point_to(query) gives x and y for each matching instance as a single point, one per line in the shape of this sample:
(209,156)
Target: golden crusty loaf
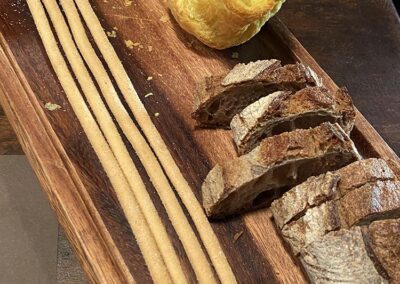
(223,23)
(278,162)
(219,98)
(329,186)
(286,111)
(340,257)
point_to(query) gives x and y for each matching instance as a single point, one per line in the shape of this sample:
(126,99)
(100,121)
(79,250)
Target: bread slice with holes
(285,111)
(372,201)
(382,240)
(340,257)
(219,98)
(279,162)
(329,186)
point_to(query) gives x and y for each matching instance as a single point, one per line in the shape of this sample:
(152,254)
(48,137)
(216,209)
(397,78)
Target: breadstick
(177,216)
(125,196)
(115,141)
(188,198)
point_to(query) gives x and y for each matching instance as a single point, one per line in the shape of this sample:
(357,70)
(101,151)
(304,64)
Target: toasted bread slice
(328,186)
(286,111)
(219,98)
(278,162)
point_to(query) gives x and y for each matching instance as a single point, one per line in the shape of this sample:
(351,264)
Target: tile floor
(32,248)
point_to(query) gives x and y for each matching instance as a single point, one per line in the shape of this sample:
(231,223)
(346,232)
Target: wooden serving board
(70,173)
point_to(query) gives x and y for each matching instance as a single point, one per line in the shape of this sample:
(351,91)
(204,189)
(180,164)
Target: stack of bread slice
(286,126)
(344,225)
(338,213)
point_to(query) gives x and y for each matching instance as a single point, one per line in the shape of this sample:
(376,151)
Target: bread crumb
(164,19)
(127,3)
(112,34)
(149,78)
(157,114)
(129,44)
(51,107)
(237,236)
(148,95)
(235,55)
(159,74)
(115,28)
(150,48)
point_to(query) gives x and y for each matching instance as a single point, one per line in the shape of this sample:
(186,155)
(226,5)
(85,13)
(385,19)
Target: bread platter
(164,68)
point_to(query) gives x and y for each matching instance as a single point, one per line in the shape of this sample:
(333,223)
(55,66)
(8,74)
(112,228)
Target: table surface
(356,42)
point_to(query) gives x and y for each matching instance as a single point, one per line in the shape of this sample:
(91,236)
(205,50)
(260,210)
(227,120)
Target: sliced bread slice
(374,201)
(383,241)
(340,257)
(328,186)
(219,98)
(285,111)
(279,162)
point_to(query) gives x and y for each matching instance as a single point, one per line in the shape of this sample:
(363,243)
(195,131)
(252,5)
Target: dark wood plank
(8,141)
(59,151)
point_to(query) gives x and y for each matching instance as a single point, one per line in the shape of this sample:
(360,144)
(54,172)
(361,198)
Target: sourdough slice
(277,163)
(328,186)
(380,200)
(383,241)
(340,257)
(316,222)
(219,98)
(286,111)
(367,203)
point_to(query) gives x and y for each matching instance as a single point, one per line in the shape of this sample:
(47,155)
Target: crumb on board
(164,19)
(235,55)
(150,48)
(113,33)
(237,236)
(129,44)
(115,28)
(51,106)
(127,3)
(149,78)
(157,114)
(159,74)
(148,95)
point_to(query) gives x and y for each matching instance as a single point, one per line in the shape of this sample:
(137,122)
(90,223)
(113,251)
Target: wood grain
(70,172)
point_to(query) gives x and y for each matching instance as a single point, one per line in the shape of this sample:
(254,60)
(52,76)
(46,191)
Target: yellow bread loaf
(223,23)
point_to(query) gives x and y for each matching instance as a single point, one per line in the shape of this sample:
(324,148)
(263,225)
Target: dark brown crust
(216,104)
(310,107)
(229,188)
(382,238)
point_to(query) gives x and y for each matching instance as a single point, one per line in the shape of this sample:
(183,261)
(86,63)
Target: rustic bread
(285,111)
(380,200)
(328,186)
(278,162)
(383,241)
(340,257)
(369,202)
(219,98)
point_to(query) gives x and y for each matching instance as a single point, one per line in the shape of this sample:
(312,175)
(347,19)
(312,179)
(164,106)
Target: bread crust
(279,161)
(286,111)
(328,186)
(383,238)
(219,98)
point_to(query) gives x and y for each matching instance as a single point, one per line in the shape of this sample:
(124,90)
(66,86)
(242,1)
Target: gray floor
(32,248)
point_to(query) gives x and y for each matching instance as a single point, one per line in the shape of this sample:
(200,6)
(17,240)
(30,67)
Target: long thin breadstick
(125,196)
(177,216)
(115,141)
(190,201)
